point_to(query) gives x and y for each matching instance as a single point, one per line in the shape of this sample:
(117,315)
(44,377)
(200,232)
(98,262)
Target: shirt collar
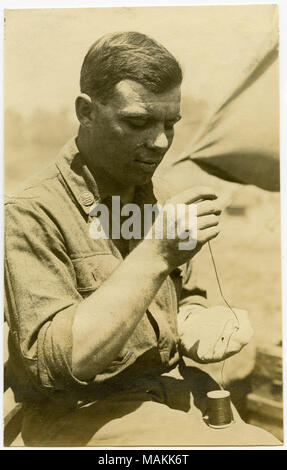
(82,183)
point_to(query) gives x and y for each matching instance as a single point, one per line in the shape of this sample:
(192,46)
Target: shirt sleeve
(41,295)
(193,293)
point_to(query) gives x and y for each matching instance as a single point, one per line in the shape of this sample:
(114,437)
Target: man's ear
(85,110)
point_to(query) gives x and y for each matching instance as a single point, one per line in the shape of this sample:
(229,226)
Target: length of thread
(231,309)
(168,189)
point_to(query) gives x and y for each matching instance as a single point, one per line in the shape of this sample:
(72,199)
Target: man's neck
(107,186)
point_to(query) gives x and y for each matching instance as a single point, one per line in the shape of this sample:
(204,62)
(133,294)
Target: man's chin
(139,180)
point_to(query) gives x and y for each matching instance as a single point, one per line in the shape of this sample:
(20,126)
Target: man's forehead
(132,97)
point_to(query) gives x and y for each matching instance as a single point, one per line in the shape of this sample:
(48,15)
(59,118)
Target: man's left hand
(212,334)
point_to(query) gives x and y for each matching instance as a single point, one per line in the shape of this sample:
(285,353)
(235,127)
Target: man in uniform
(99,327)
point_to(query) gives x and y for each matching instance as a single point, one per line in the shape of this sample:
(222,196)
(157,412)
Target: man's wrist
(147,255)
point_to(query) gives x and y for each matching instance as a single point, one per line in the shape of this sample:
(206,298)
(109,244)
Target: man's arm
(104,321)
(45,308)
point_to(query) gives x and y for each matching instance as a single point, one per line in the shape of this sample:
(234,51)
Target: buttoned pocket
(92,271)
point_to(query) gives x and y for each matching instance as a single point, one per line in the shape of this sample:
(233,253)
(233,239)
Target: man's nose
(159,142)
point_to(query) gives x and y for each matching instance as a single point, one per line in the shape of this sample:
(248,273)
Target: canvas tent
(239,142)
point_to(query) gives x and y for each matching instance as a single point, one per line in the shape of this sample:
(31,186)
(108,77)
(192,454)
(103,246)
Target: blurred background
(44,50)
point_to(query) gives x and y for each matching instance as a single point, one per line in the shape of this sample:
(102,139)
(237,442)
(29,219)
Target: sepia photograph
(142,231)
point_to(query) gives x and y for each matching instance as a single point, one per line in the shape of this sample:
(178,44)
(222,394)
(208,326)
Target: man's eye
(137,123)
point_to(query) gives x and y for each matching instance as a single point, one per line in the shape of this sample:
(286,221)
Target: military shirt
(51,264)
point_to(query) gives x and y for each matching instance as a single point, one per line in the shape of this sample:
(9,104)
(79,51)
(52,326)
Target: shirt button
(87,198)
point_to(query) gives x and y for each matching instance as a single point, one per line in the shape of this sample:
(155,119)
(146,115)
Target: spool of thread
(219,414)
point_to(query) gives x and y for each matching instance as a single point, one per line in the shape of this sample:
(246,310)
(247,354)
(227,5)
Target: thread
(221,384)
(230,308)
(219,414)
(219,285)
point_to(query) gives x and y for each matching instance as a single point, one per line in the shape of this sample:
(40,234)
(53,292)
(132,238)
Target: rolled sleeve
(41,295)
(55,352)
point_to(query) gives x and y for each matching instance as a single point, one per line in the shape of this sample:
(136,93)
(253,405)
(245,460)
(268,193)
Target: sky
(44,48)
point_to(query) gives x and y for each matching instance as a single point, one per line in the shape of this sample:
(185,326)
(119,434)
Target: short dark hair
(128,55)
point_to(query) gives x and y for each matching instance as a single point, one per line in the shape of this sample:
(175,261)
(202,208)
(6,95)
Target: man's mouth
(147,165)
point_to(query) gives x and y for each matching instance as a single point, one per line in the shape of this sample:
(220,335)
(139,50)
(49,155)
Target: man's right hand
(208,211)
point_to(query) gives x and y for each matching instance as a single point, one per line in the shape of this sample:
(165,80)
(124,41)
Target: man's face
(132,132)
